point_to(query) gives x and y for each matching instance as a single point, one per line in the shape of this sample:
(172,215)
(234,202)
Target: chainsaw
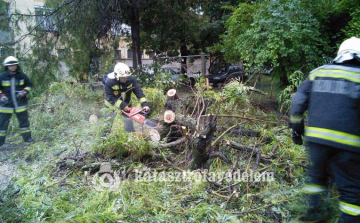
(137,114)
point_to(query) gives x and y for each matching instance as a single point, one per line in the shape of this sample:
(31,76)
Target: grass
(53,189)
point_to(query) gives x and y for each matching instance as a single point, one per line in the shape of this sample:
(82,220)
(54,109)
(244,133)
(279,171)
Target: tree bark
(135,34)
(201,146)
(184,52)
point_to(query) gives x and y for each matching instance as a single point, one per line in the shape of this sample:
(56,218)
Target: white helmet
(121,70)
(10,61)
(348,50)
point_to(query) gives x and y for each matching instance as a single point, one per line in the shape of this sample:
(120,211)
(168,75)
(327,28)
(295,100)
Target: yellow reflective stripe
(130,86)
(295,119)
(107,103)
(20,110)
(21,82)
(142,100)
(2,133)
(5,84)
(25,131)
(27,88)
(348,75)
(350,209)
(6,110)
(332,135)
(118,103)
(0,91)
(115,87)
(313,188)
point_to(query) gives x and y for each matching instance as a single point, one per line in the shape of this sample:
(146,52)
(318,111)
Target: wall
(24,7)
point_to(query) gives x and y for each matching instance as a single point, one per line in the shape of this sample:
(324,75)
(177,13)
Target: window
(117,54)
(43,19)
(130,53)
(5,16)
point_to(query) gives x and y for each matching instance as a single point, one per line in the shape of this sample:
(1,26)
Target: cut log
(169,116)
(93,118)
(154,135)
(148,133)
(171,103)
(175,143)
(171,94)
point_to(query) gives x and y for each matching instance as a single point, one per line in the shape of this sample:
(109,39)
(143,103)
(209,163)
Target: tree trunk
(201,146)
(135,34)
(184,52)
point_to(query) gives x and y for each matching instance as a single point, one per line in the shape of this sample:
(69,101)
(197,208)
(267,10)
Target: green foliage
(282,33)
(4,16)
(160,80)
(238,23)
(236,94)
(353,27)
(172,25)
(156,98)
(119,143)
(284,98)
(51,193)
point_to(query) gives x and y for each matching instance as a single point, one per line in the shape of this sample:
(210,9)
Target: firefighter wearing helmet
(14,88)
(331,97)
(119,85)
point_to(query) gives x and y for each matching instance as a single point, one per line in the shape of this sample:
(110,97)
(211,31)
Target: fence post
(203,69)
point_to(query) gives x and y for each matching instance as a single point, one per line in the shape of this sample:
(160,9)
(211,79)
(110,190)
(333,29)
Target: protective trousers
(23,118)
(345,169)
(128,122)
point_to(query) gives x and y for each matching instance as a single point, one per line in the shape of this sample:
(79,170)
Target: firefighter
(14,88)
(118,88)
(331,97)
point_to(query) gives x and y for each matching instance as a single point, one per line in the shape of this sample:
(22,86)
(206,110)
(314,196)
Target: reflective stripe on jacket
(331,95)
(11,85)
(119,94)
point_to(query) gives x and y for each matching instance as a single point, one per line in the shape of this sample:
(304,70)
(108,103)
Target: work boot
(318,210)
(314,216)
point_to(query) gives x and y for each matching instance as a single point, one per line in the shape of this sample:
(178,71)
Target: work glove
(146,110)
(21,94)
(3,98)
(297,138)
(297,132)
(127,109)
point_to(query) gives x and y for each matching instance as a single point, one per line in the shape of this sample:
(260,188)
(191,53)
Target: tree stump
(170,106)
(201,146)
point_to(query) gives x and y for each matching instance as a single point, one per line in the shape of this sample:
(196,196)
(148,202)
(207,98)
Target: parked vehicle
(175,72)
(226,73)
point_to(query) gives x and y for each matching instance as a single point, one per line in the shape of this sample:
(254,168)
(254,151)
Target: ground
(58,178)
(7,165)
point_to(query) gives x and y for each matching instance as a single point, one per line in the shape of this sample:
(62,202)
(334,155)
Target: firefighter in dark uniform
(14,86)
(331,97)
(118,88)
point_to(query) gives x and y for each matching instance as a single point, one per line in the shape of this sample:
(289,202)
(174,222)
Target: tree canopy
(289,35)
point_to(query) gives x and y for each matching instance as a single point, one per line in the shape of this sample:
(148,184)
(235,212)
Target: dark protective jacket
(119,94)
(331,95)
(11,85)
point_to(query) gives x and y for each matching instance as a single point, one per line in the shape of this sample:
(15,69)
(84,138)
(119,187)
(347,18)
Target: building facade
(20,35)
